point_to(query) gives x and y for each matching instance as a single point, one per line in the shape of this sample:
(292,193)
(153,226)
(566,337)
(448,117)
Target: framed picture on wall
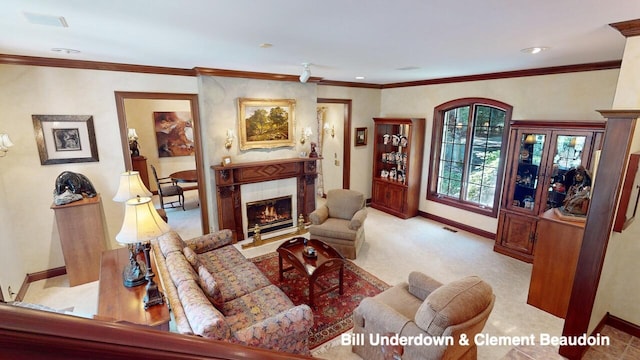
(65,139)
(266,123)
(174,133)
(361,136)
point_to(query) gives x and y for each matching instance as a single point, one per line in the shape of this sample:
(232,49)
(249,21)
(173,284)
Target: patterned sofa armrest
(287,331)
(211,241)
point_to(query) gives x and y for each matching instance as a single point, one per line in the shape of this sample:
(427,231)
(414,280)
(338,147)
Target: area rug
(332,313)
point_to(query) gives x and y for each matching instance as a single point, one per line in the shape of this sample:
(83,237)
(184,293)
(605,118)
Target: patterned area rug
(332,315)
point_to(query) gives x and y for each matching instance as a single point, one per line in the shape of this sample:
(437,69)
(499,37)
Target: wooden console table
(122,304)
(230,177)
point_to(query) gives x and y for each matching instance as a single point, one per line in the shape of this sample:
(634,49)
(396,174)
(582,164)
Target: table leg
(280,267)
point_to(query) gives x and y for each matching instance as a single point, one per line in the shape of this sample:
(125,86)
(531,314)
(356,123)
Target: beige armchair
(423,307)
(340,222)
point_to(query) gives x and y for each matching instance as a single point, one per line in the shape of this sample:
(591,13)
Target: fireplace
(269,214)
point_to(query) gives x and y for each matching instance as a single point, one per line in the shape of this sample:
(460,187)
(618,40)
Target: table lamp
(142,224)
(131,186)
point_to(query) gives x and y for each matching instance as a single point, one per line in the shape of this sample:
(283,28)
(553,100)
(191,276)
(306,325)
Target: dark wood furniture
(540,155)
(82,237)
(554,266)
(397,165)
(229,178)
(139,164)
(185,176)
(121,304)
(327,260)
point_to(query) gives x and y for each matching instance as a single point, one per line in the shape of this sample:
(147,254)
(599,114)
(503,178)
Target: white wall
(619,290)
(573,96)
(30,240)
(333,150)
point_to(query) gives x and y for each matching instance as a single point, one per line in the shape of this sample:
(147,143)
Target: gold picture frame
(266,123)
(226,160)
(64,139)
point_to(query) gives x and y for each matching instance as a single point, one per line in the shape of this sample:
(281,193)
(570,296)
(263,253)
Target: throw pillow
(210,287)
(192,257)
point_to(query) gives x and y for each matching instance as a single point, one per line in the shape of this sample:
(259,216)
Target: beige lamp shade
(131,186)
(132,134)
(141,222)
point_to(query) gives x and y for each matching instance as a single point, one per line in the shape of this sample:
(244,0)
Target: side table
(122,304)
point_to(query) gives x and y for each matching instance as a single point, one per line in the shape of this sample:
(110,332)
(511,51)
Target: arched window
(468,151)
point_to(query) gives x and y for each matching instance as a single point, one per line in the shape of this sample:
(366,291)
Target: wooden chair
(168,188)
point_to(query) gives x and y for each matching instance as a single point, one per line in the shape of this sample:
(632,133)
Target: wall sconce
(330,130)
(5,144)
(306,133)
(229,141)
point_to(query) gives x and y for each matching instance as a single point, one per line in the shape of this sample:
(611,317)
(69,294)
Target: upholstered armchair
(340,222)
(423,307)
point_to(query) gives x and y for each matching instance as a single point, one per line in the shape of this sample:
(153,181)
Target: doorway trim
(346,141)
(121,96)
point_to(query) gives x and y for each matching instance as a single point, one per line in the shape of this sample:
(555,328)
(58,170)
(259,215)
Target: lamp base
(134,273)
(153,295)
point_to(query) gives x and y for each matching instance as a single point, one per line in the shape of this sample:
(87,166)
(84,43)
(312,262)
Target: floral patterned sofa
(216,293)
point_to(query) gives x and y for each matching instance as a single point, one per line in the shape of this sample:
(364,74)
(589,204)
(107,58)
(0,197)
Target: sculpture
(69,185)
(578,184)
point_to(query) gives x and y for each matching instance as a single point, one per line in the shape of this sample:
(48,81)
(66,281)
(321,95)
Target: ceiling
(383,41)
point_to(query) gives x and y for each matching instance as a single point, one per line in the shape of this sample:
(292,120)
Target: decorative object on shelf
(266,123)
(577,199)
(142,224)
(305,135)
(301,226)
(133,142)
(131,186)
(385,139)
(5,144)
(65,139)
(630,196)
(361,136)
(330,130)
(72,187)
(226,160)
(306,73)
(229,140)
(174,133)
(314,152)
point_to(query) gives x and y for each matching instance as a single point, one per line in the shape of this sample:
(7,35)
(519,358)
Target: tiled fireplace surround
(238,184)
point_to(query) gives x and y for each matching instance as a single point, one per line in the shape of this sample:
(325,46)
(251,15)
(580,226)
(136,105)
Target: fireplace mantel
(230,177)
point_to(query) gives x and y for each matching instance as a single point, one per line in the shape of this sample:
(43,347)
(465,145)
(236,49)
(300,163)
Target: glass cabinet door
(569,152)
(529,170)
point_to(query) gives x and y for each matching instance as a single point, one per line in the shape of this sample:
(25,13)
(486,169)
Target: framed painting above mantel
(266,123)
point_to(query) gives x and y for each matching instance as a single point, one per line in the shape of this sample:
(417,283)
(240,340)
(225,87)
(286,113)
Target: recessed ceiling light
(48,20)
(360,78)
(266,45)
(535,49)
(65,50)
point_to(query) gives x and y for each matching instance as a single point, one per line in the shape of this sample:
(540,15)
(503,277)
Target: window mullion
(467,154)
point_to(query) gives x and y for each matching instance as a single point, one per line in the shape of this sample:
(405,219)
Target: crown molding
(201,71)
(628,28)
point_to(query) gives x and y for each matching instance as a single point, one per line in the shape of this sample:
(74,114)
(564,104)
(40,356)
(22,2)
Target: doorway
(337,121)
(142,110)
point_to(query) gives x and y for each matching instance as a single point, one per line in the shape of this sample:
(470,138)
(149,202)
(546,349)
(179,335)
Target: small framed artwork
(266,123)
(630,196)
(361,136)
(65,139)
(226,160)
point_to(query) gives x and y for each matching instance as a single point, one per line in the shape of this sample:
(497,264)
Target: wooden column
(606,190)
(82,237)
(229,179)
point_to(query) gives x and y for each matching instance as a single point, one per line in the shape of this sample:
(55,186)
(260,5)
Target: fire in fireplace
(270,214)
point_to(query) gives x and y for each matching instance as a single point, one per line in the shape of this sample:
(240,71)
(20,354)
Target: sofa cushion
(343,203)
(336,229)
(210,287)
(204,319)
(211,241)
(224,258)
(453,303)
(179,268)
(170,242)
(255,307)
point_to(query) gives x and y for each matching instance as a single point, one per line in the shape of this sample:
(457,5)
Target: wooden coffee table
(327,260)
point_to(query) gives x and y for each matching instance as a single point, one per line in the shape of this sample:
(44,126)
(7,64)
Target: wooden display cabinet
(397,161)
